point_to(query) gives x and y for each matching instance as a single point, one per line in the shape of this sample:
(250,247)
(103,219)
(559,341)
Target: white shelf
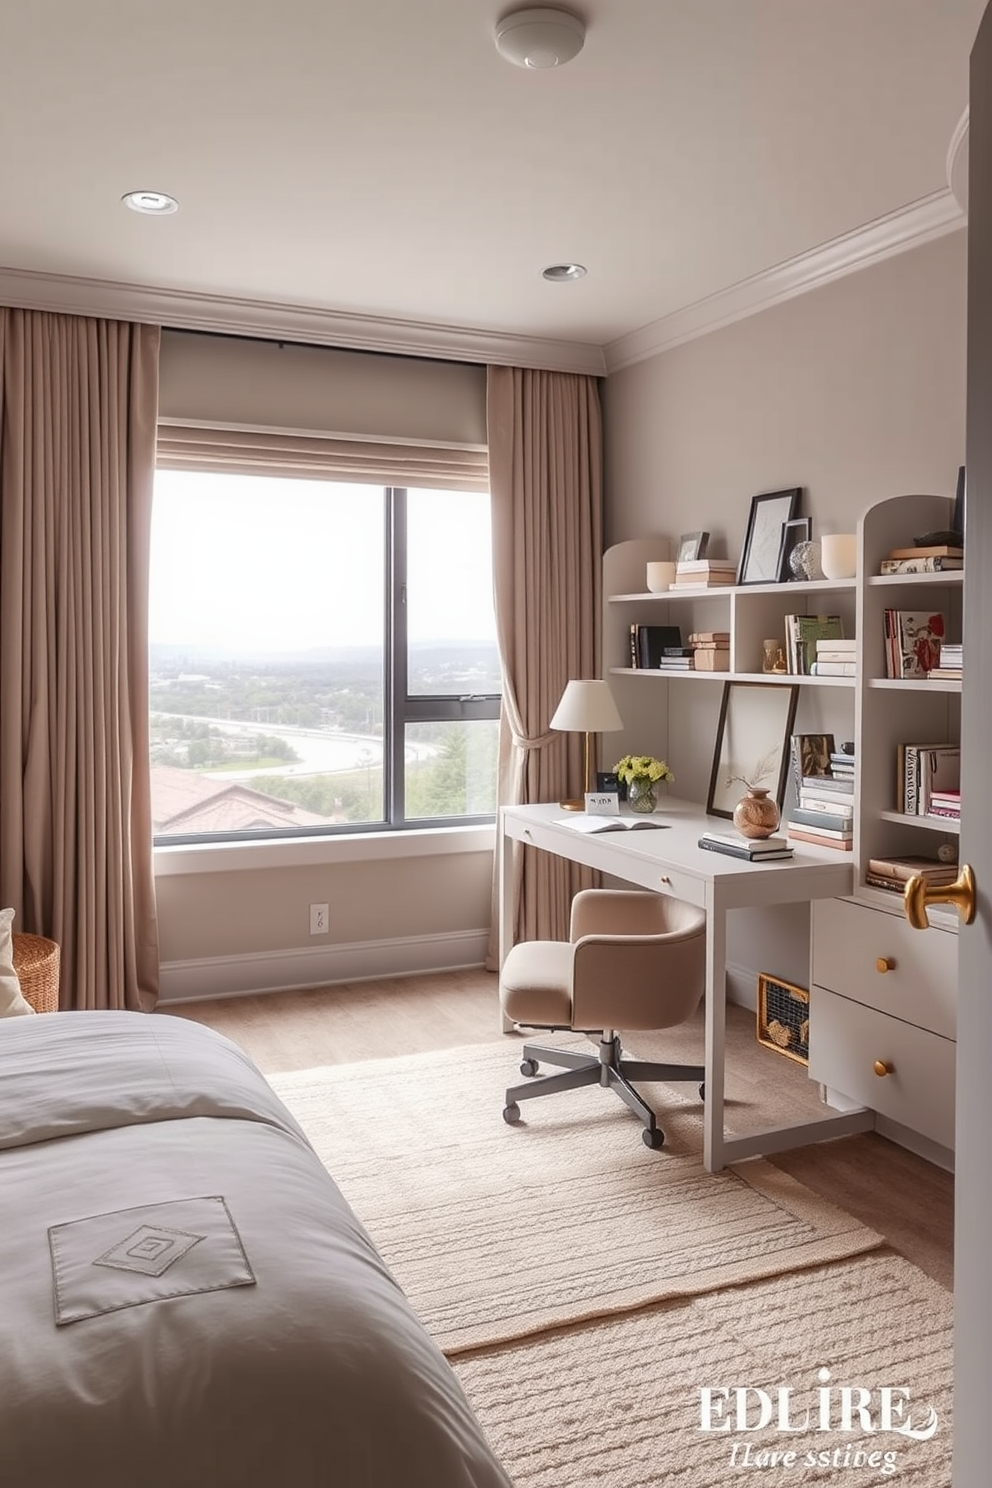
(915,684)
(920,580)
(945,824)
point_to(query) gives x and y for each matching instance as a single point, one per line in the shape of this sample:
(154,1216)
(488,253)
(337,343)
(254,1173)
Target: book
(839,806)
(706,565)
(833,669)
(912,641)
(801,635)
(702,637)
(937,550)
(902,868)
(836,643)
(822,839)
(586,822)
(822,820)
(650,642)
(748,849)
(842,785)
(919,767)
(946,674)
(920,565)
(677,651)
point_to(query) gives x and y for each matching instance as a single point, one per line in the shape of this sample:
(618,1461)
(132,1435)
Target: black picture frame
(692,545)
(961,491)
(752,740)
(799,529)
(761,552)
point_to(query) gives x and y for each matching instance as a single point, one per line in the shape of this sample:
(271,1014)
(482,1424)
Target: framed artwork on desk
(752,743)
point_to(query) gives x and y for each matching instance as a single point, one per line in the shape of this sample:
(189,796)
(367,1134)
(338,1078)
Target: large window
(323,657)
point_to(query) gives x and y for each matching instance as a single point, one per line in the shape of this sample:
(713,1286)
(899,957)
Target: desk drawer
(848,940)
(845,1039)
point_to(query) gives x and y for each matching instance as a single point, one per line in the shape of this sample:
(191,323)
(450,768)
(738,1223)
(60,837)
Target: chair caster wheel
(652,1137)
(529,1067)
(702,1091)
(511,1113)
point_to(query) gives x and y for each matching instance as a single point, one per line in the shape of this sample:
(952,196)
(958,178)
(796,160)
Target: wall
(855,391)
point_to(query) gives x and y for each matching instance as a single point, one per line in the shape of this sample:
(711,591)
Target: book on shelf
(706,565)
(946,674)
(920,565)
(749,849)
(675,664)
(822,668)
(840,806)
(900,869)
(912,642)
(829,821)
(709,637)
(951,653)
(821,839)
(676,651)
(921,769)
(841,785)
(704,581)
(843,644)
(936,550)
(582,822)
(648,642)
(801,635)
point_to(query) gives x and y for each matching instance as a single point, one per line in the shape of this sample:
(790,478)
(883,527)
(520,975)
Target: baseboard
(319,966)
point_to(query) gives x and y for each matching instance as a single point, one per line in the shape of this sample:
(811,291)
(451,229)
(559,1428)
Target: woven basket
(36,961)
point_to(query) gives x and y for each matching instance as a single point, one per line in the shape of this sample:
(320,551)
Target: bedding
(185,1296)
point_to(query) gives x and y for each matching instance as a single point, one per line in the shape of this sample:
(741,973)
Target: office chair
(634,960)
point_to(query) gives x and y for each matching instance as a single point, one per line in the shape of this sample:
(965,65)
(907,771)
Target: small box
(783,1018)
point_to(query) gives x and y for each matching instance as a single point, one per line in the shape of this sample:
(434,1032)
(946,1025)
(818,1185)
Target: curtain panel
(546,485)
(78,404)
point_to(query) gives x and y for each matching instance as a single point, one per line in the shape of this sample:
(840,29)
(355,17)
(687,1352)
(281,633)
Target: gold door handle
(918,895)
(884,964)
(883,1067)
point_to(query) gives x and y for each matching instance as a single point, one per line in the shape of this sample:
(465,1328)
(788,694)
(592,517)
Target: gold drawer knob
(884,964)
(883,1067)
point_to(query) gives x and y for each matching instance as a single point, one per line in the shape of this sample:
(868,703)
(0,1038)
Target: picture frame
(752,743)
(761,554)
(692,545)
(810,754)
(960,494)
(799,529)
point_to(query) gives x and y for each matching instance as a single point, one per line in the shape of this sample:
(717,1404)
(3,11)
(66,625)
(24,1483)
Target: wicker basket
(36,961)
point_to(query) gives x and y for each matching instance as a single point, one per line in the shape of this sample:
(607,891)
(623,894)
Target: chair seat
(536,983)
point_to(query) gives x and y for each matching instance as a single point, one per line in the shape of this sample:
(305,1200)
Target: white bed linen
(307,1371)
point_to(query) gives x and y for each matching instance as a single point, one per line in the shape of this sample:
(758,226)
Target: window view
(323,656)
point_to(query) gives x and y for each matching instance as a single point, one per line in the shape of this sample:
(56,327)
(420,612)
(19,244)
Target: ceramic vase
(756,814)
(642,796)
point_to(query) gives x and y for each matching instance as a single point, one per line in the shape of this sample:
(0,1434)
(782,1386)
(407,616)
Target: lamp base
(572,805)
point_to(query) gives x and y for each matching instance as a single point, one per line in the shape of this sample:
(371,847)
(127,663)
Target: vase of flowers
(641,774)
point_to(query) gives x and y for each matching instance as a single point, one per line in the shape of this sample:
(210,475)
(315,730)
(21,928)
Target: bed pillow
(12,1002)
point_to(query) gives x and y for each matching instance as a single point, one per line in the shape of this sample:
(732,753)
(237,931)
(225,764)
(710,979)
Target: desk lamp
(586,707)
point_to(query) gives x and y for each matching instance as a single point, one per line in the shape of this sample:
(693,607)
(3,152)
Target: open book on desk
(586,822)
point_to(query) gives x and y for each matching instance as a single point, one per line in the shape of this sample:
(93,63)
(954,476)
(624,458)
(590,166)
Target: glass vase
(642,796)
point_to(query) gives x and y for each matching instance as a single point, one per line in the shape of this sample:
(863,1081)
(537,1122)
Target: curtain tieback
(541,741)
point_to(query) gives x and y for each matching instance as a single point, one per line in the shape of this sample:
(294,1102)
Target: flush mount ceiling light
(563,273)
(538,38)
(152,203)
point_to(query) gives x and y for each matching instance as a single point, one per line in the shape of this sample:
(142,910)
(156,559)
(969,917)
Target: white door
(973,1215)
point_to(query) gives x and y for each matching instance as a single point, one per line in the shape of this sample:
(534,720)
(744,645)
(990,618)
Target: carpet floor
(498,1233)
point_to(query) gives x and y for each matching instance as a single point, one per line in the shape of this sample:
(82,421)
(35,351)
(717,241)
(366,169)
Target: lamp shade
(587,707)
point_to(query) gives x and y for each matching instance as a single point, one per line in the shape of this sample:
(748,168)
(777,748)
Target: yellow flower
(641,767)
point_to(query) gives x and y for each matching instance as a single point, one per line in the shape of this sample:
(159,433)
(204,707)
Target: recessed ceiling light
(539,37)
(564,273)
(152,203)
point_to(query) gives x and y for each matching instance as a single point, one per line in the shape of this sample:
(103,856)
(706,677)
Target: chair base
(608,1068)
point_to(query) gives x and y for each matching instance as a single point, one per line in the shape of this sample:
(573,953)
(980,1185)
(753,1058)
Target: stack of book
(748,849)
(921,770)
(711,650)
(824,812)
(705,573)
(913,640)
(950,665)
(648,644)
(834,658)
(937,559)
(802,632)
(945,803)
(676,659)
(894,873)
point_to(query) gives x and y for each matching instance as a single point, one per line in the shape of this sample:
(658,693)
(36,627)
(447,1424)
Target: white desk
(670,862)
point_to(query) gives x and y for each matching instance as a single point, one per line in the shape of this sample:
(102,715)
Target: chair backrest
(639,962)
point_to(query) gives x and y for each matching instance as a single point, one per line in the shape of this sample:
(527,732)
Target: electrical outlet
(319,919)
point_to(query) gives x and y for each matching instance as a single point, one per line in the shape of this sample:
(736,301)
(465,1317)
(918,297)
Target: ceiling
(374,173)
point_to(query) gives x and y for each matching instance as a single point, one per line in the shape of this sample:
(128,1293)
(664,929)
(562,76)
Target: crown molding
(227,315)
(909,227)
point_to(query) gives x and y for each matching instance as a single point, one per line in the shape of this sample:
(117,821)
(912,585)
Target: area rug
(499,1232)
(617,1404)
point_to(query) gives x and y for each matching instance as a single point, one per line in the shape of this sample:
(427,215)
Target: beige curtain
(545,473)
(78,404)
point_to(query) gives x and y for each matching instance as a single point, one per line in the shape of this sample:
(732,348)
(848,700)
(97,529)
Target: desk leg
(505,909)
(716,1026)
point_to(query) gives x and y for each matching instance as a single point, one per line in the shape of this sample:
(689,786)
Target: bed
(185,1297)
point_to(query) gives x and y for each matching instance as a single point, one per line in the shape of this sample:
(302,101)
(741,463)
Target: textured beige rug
(616,1404)
(497,1233)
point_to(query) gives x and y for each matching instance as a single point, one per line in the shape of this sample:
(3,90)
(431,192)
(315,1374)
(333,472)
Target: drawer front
(845,1039)
(920,979)
(635,862)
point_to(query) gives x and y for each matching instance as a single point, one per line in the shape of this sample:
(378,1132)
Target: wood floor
(904,1198)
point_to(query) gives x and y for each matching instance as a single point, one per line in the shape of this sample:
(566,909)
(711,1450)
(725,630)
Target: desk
(670,862)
